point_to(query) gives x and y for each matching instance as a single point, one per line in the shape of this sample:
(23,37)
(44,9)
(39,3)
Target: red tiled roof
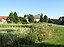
(3,17)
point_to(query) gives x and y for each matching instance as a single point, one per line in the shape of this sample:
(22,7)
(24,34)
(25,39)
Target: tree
(41,17)
(50,21)
(13,17)
(45,18)
(25,15)
(22,20)
(16,18)
(10,17)
(31,18)
(62,22)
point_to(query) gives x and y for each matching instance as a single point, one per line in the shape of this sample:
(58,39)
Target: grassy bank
(56,41)
(34,35)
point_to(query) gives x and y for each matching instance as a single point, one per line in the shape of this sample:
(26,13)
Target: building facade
(3,19)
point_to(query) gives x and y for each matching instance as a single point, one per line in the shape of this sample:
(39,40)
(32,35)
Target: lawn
(58,37)
(19,32)
(56,41)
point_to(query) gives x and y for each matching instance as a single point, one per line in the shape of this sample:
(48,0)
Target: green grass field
(57,39)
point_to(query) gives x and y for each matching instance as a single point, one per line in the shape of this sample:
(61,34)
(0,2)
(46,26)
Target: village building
(37,18)
(3,19)
(61,18)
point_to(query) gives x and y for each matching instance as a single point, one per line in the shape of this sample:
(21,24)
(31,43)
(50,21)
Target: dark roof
(36,17)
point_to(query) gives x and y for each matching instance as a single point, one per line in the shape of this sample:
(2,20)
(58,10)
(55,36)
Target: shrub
(36,33)
(39,33)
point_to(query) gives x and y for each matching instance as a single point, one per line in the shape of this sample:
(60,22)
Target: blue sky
(52,8)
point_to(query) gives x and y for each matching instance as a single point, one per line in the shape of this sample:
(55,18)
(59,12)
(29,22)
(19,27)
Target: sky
(51,8)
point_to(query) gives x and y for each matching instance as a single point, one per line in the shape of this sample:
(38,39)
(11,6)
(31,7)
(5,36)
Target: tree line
(14,18)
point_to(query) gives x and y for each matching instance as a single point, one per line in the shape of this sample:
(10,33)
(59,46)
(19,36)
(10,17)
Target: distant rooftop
(3,17)
(37,16)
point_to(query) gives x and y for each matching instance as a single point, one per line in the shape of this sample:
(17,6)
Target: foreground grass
(58,37)
(14,25)
(57,40)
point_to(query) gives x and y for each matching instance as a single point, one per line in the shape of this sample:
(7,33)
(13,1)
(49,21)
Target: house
(37,18)
(3,19)
(61,19)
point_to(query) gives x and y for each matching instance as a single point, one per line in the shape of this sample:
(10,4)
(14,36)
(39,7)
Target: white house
(37,18)
(3,19)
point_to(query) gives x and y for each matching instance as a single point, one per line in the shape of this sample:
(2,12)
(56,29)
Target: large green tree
(50,21)
(41,17)
(16,18)
(45,18)
(31,18)
(13,17)
(10,17)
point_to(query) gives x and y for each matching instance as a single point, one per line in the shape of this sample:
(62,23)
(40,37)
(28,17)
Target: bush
(36,33)
(62,22)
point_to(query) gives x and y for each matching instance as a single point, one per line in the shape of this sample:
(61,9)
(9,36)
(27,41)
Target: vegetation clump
(26,36)
(41,32)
